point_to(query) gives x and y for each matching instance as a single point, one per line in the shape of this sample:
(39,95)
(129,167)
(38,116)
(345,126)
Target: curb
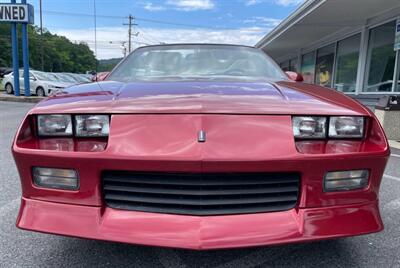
(394,144)
(12,98)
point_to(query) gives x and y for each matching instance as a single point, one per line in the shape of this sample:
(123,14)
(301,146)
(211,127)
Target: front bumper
(199,232)
(168,143)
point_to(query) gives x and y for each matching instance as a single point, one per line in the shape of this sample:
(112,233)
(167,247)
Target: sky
(162,21)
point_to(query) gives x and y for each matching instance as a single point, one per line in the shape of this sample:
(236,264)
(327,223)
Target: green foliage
(108,65)
(60,54)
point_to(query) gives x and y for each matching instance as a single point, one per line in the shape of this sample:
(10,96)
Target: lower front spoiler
(212,232)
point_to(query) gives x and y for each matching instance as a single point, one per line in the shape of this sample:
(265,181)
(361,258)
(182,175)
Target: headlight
(346,127)
(92,125)
(309,127)
(54,86)
(55,125)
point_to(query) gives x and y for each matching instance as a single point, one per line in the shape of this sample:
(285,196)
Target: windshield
(45,76)
(197,62)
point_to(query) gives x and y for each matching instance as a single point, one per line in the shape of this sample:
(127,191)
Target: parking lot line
(391,177)
(395,155)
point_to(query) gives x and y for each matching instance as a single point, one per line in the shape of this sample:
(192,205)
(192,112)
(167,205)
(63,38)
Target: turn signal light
(56,178)
(345,180)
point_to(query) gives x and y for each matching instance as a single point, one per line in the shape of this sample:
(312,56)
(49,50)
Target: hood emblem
(202,136)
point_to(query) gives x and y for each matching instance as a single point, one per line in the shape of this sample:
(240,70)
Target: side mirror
(32,78)
(297,77)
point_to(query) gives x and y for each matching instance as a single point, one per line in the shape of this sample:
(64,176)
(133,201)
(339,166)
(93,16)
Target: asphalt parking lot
(27,249)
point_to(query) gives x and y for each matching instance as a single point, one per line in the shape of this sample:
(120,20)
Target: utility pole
(130,24)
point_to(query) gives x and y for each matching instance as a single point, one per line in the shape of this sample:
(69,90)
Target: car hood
(262,97)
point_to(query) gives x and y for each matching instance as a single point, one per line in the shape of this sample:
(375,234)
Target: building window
(293,65)
(308,67)
(285,66)
(381,58)
(324,66)
(348,51)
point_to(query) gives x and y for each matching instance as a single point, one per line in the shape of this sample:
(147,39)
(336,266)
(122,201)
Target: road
(28,249)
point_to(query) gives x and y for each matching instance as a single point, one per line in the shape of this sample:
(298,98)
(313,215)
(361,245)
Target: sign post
(18,13)
(25,57)
(14,41)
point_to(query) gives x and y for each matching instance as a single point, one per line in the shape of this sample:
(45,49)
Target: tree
(60,54)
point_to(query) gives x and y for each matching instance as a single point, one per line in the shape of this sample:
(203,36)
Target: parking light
(345,180)
(56,178)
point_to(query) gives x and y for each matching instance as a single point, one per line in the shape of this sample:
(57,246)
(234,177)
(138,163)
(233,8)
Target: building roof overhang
(318,19)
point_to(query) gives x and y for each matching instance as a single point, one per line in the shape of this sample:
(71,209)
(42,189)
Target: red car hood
(201,97)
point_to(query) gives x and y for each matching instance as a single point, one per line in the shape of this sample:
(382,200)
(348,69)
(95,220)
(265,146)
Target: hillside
(60,54)
(108,65)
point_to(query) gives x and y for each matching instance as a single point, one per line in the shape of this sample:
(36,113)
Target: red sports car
(200,147)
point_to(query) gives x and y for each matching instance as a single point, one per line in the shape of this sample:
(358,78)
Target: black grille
(201,194)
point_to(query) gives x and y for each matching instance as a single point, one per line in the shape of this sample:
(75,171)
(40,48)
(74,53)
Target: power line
(85,41)
(147,34)
(149,20)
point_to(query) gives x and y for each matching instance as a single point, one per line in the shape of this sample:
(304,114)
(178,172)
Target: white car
(41,83)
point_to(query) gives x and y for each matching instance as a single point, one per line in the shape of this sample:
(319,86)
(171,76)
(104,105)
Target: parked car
(4,71)
(41,83)
(81,78)
(64,78)
(200,147)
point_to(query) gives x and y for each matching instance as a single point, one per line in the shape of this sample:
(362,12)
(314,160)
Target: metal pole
(130,33)
(41,35)
(14,40)
(25,56)
(95,34)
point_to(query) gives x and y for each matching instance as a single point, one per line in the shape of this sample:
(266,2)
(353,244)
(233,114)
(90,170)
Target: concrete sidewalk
(8,97)
(394,144)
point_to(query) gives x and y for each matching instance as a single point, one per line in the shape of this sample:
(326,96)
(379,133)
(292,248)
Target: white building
(344,44)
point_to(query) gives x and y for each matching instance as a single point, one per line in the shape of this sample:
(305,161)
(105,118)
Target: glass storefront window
(348,52)
(324,66)
(293,65)
(381,58)
(308,67)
